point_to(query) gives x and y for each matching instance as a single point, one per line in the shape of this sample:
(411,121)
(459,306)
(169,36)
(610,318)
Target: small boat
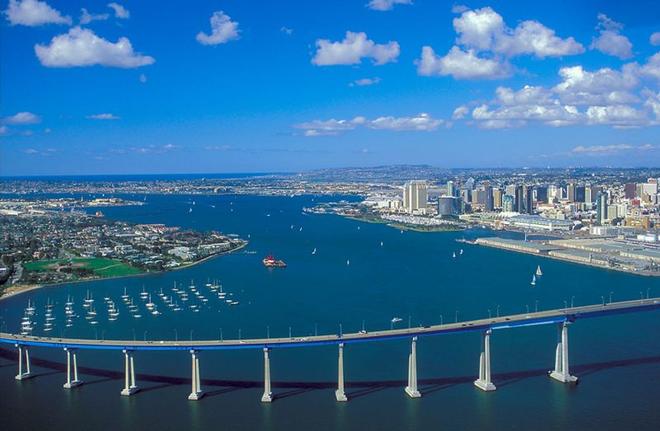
(314,251)
(189,210)
(381,243)
(461,252)
(300,230)
(137,316)
(538,271)
(348,262)
(533,283)
(453,255)
(396,319)
(270,262)
(144,294)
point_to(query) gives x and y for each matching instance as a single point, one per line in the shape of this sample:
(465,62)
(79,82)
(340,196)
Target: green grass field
(100,266)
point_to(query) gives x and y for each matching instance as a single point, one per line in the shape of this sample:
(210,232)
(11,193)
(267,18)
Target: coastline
(403,226)
(7,293)
(547,256)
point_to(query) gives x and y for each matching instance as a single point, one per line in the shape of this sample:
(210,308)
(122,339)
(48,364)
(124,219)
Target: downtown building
(415,196)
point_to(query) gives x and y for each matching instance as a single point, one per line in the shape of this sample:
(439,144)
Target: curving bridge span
(561,317)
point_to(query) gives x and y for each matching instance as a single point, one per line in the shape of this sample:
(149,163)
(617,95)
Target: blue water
(412,276)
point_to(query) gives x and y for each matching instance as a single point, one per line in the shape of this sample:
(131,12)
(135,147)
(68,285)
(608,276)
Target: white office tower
(415,195)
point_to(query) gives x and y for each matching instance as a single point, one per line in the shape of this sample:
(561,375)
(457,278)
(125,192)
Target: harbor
(606,253)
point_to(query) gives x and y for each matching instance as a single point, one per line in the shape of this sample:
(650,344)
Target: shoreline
(28,288)
(547,256)
(403,226)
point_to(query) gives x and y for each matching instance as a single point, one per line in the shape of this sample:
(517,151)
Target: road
(555,316)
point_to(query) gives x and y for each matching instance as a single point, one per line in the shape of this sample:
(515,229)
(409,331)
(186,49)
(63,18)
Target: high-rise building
(489,205)
(451,190)
(469,183)
(542,194)
(601,208)
(519,203)
(529,199)
(570,192)
(554,192)
(630,190)
(465,196)
(580,194)
(415,196)
(510,190)
(497,197)
(508,203)
(478,196)
(588,198)
(449,206)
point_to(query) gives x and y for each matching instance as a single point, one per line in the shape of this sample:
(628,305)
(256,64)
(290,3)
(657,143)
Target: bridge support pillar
(561,372)
(129,374)
(267,397)
(69,363)
(23,351)
(196,392)
(411,389)
(340,394)
(483,382)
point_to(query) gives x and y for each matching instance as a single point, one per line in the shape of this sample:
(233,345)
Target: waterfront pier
(562,317)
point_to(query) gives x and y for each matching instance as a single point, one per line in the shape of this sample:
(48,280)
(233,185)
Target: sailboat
(538,271)
(314,251)
(348,262)
(461,251)
(381,243)
(533,283)
(454,255)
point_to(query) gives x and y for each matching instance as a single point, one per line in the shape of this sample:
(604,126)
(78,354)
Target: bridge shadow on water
(355,389)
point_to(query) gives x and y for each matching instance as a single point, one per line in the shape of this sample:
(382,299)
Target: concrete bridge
(561,317)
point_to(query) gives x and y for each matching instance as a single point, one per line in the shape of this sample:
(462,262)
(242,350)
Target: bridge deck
(495,323)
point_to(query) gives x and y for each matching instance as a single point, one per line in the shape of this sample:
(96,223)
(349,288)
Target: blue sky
(252,86)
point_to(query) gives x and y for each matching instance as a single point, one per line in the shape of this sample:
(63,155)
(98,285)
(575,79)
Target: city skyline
(223,88)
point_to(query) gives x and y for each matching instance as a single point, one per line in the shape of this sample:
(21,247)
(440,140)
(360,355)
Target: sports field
(99,266)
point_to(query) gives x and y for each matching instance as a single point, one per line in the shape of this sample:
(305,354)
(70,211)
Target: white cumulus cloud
(223,29)
(582,97)
(610,41)
(82,47)
(34,13)
(654,39)
(353,49)
(420,122)
(485,30)
(484,45)
(22,118)
(461,65)
(384,5)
